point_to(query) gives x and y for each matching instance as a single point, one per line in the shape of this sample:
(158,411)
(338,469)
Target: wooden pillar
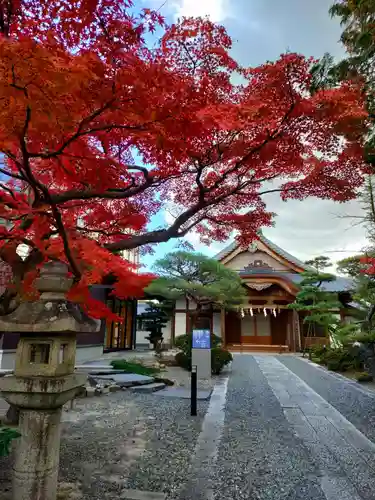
(222,326)
(296,336)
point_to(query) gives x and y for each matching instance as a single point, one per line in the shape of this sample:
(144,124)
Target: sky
(261,30)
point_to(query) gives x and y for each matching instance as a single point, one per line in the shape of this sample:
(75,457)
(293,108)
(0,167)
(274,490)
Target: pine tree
(154,319)
(319,305)
(202,280)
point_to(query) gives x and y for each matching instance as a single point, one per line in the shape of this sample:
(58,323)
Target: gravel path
(120,441)
(260,458)
(356,405)
(265,435)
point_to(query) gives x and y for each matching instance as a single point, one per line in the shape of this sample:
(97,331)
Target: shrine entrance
(265,322)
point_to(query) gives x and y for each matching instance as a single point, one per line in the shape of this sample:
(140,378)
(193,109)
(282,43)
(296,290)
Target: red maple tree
(84,92)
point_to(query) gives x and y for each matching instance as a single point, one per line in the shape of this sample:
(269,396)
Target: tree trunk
(199,321)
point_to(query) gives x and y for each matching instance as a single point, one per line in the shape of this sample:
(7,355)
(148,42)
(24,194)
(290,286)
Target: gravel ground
(259,457)
(354,404)
(122,441)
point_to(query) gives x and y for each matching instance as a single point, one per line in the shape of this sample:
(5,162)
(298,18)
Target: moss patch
(133,367)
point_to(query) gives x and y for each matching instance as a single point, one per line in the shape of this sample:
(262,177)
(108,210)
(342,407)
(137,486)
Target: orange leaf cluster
(84,95)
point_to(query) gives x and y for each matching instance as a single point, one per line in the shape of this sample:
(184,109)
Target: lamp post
(43,380)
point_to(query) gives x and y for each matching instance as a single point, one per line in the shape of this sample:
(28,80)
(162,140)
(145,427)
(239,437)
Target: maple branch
(201,188)
(159,235)
(10,191)
(103,128)
(35,183)
(278,190)
(270,137)
(15,86)
(15,176)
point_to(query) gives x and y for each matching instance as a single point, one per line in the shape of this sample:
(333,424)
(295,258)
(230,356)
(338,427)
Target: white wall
(180,324)
(140,336)
(181,304)
(216,323)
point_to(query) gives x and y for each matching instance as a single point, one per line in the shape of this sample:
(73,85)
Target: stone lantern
(43,380)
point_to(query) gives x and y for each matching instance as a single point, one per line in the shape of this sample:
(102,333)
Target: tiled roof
(340,284)
(290,258)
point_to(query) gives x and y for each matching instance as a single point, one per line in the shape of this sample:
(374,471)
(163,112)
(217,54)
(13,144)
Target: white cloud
(216,10)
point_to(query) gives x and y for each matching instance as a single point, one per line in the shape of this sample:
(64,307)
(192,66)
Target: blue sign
(201,339)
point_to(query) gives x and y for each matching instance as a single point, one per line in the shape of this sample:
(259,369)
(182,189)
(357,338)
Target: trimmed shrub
(345,358)
(219,359)
(183,360)
(318,351)
(334,366)
(185,342)
(364,377)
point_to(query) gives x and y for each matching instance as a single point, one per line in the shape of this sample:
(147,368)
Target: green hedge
(337,359)
(220,357)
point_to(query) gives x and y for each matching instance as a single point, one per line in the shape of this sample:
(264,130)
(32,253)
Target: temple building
(264,323)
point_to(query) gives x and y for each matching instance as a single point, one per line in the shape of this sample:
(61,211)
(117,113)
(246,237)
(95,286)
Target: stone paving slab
(128,379)
(172,392)
(260,457)
(142,495)
(343,454)
(148,388)
(92,368)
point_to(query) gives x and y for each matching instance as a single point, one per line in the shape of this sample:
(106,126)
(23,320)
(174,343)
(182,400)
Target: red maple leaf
(83,93)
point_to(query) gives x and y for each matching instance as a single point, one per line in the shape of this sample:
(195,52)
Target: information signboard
(201,339)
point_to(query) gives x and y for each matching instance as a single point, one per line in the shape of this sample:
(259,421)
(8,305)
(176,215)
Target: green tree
(319,305)
(154,319)
(357,18)
(363,283)
(319,263)
(199,278)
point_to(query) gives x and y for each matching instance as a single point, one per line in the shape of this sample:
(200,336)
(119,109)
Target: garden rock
(114,388)
(148,388)
(128,379)
(90,391)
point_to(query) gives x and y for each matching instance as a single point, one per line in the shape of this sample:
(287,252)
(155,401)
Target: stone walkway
(345,458)
(282,440)
(276,428)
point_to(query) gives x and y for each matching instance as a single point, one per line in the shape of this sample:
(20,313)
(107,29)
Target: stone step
(94,367)
(148,388)
(128,379)
(102,372)
(257,348)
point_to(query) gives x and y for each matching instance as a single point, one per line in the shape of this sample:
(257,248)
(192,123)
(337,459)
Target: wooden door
(279,327)
(119,333)
(256,329)
(232,328)
(263,329)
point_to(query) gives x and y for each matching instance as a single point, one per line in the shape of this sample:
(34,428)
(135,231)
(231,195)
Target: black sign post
(193,400)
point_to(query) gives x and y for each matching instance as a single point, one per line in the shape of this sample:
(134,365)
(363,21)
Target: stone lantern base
(43,380)
(40,401)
